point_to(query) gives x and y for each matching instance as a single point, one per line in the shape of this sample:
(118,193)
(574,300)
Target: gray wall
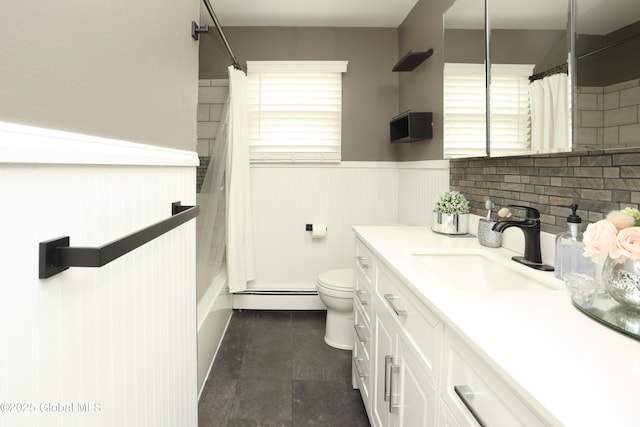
(421,89)
(614,65)
(370,89)
(119,68)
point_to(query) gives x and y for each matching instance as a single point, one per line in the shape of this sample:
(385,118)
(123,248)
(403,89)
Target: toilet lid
(337,279)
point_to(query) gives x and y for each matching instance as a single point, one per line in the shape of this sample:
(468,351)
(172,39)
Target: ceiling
(309,13)
(594,16)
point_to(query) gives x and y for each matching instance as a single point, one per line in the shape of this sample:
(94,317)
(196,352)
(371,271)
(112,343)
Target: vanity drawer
(365,262)
(362,331)
(476,396)
(420,327)
(362,295)
(361,370)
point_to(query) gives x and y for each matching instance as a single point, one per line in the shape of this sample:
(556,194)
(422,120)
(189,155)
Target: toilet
(335,289)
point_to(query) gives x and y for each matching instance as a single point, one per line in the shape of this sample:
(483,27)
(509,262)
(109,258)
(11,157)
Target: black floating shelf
(411,126)
(411,60)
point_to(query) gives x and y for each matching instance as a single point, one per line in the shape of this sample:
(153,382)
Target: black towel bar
(56,255)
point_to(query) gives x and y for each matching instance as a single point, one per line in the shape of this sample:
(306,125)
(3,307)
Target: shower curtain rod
(563,67)
(236,65)
(608,46)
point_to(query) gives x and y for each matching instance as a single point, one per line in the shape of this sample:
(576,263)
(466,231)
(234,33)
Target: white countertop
(571,369)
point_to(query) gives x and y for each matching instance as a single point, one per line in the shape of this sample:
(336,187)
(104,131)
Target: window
(464,109)
(510,109)
(464,99)
(295,110)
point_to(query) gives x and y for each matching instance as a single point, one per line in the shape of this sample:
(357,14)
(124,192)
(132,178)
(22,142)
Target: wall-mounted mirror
(607,74)
(529,90)
(464,81)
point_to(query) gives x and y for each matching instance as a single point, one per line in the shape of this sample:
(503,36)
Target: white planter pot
(450,223)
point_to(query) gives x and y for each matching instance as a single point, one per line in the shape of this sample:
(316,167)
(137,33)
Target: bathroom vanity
(450,333)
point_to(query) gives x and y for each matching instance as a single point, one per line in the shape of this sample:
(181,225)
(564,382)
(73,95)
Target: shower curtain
(240,252)
(211,223)
(225,221)
(550,118)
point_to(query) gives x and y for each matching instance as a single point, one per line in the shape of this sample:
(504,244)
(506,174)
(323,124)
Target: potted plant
(451,214)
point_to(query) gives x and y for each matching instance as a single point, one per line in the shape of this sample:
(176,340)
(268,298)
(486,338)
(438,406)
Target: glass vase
(621,277)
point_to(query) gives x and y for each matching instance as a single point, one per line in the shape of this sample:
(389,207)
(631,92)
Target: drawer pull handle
(388,360)
(465,394)
(395,370)
(362,261)
(358,328)
(390,298)
(359,294)
(355,362)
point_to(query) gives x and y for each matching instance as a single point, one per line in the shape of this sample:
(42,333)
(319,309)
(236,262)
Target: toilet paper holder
(308,227)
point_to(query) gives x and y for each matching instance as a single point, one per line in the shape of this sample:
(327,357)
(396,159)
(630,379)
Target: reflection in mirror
(608,74)
(529,90)
(464,83)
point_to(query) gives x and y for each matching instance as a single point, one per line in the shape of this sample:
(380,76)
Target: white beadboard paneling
(122,336)
(28,144)
(286,197)
(419,186)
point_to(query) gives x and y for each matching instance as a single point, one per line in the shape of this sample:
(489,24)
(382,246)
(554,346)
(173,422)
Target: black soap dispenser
(570,248)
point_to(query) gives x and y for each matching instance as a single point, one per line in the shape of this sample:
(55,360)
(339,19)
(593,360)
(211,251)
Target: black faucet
(530,226)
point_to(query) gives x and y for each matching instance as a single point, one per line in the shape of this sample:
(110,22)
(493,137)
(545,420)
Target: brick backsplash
(598,181)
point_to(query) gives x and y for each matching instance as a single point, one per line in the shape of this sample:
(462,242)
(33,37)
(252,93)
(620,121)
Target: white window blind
(510,109)
(464,129)
(295,110)
(465,106)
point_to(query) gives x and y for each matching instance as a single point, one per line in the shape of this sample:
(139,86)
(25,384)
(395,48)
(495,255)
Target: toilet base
(338,332)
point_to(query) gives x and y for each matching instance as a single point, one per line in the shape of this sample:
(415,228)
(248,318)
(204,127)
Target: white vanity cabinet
(364,274)
(401,353)
(412,370)
(473,395)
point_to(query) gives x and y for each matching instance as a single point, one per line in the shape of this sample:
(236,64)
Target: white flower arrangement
(452,202)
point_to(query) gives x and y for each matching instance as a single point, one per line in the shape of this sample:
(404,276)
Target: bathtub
(213,314)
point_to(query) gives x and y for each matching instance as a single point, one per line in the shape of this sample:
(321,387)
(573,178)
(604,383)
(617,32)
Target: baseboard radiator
(277,300)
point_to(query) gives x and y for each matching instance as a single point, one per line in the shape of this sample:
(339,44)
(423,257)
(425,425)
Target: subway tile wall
(609,117)
(212,94)
(598,181)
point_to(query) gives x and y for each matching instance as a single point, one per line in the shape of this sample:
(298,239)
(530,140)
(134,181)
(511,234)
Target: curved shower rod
(236,65)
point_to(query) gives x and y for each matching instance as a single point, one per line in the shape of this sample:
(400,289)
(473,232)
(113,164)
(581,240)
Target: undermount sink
(481,272)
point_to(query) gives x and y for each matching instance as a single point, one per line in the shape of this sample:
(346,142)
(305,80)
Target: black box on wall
(410,126)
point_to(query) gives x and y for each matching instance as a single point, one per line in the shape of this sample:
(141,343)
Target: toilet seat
(337,280)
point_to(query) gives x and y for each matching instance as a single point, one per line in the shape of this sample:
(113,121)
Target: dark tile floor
(274,369)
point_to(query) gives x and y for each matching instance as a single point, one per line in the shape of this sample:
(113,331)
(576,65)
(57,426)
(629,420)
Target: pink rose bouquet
(616,236)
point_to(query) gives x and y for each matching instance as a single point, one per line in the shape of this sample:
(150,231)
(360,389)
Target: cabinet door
(413,396)
(447,419)
(381,368)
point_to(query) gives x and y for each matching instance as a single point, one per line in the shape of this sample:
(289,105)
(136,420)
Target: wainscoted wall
(119,339)
(286,197)
(419,185)
(598,181)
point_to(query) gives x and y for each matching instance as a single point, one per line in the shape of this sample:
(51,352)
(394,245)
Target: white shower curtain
(550,118)
(240,255)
